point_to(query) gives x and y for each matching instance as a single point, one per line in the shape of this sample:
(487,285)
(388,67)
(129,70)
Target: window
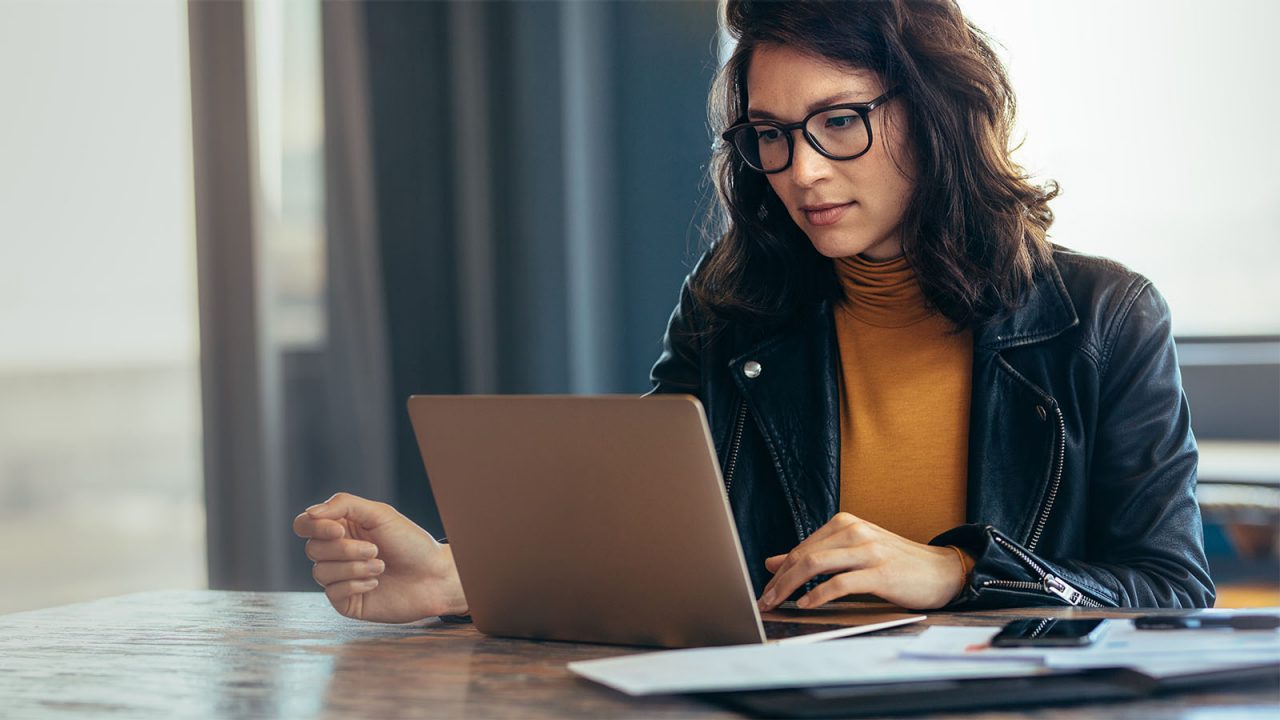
(100,489)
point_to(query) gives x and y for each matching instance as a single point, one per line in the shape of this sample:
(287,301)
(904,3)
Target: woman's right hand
(376,564)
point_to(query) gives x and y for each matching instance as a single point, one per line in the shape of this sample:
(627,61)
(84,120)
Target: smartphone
(1050,632)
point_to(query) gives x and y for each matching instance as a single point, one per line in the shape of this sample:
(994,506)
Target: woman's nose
(807,164)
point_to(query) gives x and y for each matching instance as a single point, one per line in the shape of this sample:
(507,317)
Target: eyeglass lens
(841,133)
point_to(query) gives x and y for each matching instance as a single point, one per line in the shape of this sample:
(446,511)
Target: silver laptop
(594,519)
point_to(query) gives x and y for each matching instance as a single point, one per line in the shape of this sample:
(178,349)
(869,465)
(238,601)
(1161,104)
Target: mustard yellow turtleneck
(904,402)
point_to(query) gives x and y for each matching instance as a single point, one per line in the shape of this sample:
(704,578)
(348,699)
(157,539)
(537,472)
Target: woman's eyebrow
(757,114)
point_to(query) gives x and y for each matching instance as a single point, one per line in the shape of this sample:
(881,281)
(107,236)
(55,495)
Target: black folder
(1057,688)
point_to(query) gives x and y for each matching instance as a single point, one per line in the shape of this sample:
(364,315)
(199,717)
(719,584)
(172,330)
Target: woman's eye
(841,121)
(769,135)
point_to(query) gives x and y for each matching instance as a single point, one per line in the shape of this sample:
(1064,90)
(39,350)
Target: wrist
(456,600)
(964,567)
(457,608)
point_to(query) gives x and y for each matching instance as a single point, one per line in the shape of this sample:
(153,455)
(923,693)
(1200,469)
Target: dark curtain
(538,174)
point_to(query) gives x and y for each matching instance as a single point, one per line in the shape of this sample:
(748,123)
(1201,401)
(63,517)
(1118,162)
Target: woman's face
(845,207)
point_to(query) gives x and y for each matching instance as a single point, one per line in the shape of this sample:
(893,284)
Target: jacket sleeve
(679,369)
(1149,548)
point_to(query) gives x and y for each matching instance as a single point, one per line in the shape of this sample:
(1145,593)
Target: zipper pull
(1059,587)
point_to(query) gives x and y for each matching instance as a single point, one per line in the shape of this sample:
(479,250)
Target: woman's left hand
(864,558)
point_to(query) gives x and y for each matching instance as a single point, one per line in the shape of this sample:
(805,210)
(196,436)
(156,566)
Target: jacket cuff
(1006,574)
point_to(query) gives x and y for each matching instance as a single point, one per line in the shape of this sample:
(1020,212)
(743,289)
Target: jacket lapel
(1012,428)
(793,398)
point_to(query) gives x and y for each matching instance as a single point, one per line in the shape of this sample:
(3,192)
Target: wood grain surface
(289,655)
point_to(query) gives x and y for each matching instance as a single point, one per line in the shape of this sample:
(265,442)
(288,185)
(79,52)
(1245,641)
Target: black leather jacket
(1082,464)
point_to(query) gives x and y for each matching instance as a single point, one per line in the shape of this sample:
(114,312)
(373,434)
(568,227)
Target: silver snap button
(752,369)
(1044,415)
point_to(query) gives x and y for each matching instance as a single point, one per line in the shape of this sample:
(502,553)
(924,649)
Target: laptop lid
(591,519)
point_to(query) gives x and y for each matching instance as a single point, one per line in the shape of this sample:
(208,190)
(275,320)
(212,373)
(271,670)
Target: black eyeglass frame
(863,110)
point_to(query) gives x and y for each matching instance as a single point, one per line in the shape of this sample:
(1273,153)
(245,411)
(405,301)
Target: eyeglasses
(840,132)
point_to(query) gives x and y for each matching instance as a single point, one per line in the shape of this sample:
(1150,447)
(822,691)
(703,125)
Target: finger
(849,583)
(307,526)
(303,525)
(840,522)
(326,550)
(328,573)
(792,573)
(368,514)
(339,593)
(842,530)
(810,564)
(780,565)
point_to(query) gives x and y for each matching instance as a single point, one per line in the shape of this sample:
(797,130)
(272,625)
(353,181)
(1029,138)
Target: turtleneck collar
(881,293)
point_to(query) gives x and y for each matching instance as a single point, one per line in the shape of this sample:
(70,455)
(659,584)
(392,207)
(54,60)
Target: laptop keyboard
(780,630)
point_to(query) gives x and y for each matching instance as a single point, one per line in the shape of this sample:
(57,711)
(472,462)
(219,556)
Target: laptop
(598,519)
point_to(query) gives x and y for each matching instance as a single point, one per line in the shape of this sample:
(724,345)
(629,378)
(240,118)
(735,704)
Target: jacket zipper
(1054,484)
(1055,481)
(735,445)
(1049,582)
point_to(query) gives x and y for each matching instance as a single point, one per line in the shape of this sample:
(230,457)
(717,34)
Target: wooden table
(248,655)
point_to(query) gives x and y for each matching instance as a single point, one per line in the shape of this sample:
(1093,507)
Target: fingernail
(377,566)
(767,599)
(371,583)
(316,508)
(803,602)
(369,551)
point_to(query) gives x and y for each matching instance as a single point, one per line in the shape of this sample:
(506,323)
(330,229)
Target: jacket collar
(1045,313)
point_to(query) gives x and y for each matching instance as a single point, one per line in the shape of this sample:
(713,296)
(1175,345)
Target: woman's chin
(833,244)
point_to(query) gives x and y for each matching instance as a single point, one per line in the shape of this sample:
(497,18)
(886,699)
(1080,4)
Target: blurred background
(236,235)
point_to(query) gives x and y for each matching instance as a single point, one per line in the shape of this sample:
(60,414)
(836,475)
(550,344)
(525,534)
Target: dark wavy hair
(974,227)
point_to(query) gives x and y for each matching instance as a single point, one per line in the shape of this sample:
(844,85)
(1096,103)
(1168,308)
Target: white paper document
(936,654)
(743,667)
(1157,652)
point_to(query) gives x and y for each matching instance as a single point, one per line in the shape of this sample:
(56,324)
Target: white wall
(96,230)
(1158,117)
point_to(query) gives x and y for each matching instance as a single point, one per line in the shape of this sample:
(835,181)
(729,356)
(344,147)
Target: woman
(913,393)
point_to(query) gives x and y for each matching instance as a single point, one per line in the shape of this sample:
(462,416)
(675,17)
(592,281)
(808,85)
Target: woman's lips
(827,216)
